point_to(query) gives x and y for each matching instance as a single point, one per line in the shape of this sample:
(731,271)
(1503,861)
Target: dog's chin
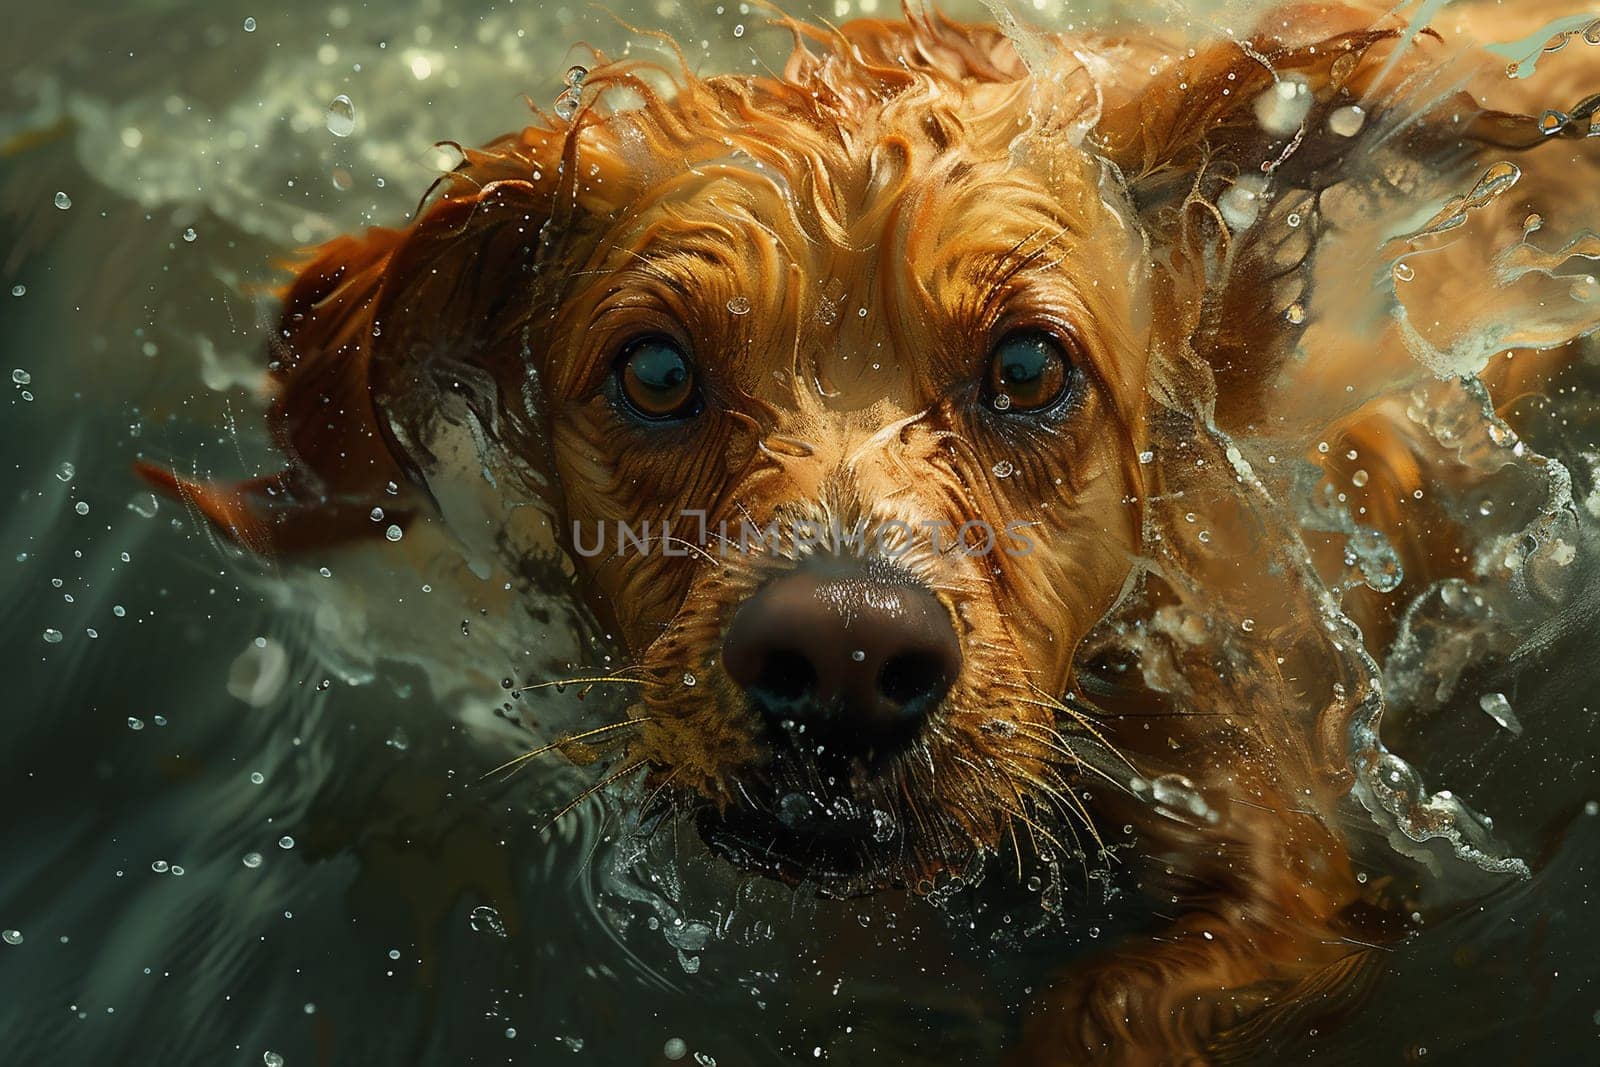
(841,857)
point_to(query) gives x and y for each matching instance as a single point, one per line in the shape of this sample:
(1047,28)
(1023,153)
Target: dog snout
(856,653)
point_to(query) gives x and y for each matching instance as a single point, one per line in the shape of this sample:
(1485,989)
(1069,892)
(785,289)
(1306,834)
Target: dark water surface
(351,892)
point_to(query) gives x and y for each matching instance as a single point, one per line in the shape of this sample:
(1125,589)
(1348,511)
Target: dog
(962,375)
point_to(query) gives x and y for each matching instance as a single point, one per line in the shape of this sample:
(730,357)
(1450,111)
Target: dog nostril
(786,676)
(913,679)
(856,655)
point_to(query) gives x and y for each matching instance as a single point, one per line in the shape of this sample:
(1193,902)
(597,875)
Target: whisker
(591,791)
(562,683)
(562,742)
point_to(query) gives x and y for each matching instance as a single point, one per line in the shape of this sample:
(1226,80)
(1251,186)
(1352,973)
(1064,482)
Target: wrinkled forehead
(881,269)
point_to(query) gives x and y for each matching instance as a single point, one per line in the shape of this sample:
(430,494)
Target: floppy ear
(1245,157)
(386,339)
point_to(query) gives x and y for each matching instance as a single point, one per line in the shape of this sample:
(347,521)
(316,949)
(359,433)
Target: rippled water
(229,838)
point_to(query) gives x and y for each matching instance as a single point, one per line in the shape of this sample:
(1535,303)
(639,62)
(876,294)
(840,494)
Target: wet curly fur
(838,245)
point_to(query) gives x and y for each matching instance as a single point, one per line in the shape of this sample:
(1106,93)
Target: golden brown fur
(900,193)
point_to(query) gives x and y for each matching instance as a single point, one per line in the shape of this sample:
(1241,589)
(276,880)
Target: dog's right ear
(386,338)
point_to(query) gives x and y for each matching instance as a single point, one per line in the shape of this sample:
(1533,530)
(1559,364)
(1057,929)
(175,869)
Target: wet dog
(925,422)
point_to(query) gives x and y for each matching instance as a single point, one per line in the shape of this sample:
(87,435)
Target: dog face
(942,375)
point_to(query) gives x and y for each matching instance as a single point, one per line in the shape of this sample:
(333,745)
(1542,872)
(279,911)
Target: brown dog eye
(657,380)
(1028,371)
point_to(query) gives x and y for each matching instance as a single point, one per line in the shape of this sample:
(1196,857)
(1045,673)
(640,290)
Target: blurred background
(218,843)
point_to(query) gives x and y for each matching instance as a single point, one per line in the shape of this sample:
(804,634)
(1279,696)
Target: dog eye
(1029,370)
(657,381)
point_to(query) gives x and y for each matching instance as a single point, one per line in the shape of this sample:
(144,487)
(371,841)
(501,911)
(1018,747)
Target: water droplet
(1296,314)
(189,235)
(341,116)
(575,75)
(1553,122)
(567,104)
(252,860)
(1347,121)
(739,305)
(485,920)
(63,201)
(1403,272)
(689,679)
(21,377)
(1498,708)
(1003,469)
(1002,402)
(52,636)
(1147,456)
(1358,479)
(1486,508)
(393,533)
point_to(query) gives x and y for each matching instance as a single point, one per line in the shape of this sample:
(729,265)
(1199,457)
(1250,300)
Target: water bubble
(739,305)
(1004,469)
(1359,479)
(252,860)
(11,937)
(1553,122)
(575,75)
(393,533)
(738,31)
(52,636)
(485,920)
(160,866)
(1498,708)
(189,235)
(1296,314)
(63,201)
(21,377)
(1147,456)
(1002,402)
(1347,121)
(689,679)
(257,778)
(341,116)
(675,1048)
(19,290)
(81,507)
(286,842)
(135,724)
(1486,508)
(271,1059)
(1403,272)
(250,27)
(65,472)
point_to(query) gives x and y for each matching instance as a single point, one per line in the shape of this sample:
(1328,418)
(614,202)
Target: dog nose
(859,654)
